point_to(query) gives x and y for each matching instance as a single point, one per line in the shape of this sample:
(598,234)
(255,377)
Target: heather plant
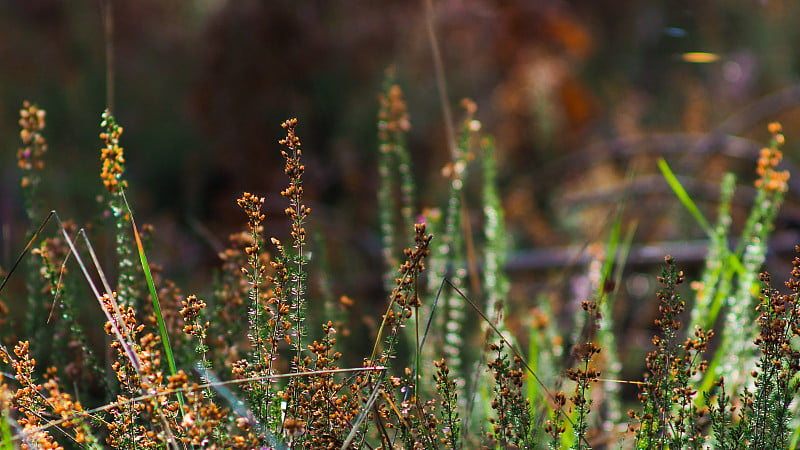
(740,321)
(238,367)
(729,282)
(585,375)
(30,159)
(669,417)
(778,365)
(396,188)
(512,424)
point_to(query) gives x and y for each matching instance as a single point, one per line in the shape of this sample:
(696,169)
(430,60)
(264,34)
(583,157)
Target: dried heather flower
(190,312)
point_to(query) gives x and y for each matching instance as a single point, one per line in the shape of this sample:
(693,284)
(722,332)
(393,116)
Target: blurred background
(582,97)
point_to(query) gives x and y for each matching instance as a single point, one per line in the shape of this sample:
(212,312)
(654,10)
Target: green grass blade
(732,265)
(156,305)
(533,391)
(154,295)
(736,263)
(421,342)
(683,196)
(611,253)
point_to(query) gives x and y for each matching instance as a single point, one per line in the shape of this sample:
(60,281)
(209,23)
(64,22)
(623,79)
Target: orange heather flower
(770,179)
(111,156)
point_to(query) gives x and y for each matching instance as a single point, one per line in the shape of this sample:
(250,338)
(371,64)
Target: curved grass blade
(683,196)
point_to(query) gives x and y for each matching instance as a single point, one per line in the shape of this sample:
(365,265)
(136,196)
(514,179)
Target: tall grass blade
(421,342)
(162,328)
